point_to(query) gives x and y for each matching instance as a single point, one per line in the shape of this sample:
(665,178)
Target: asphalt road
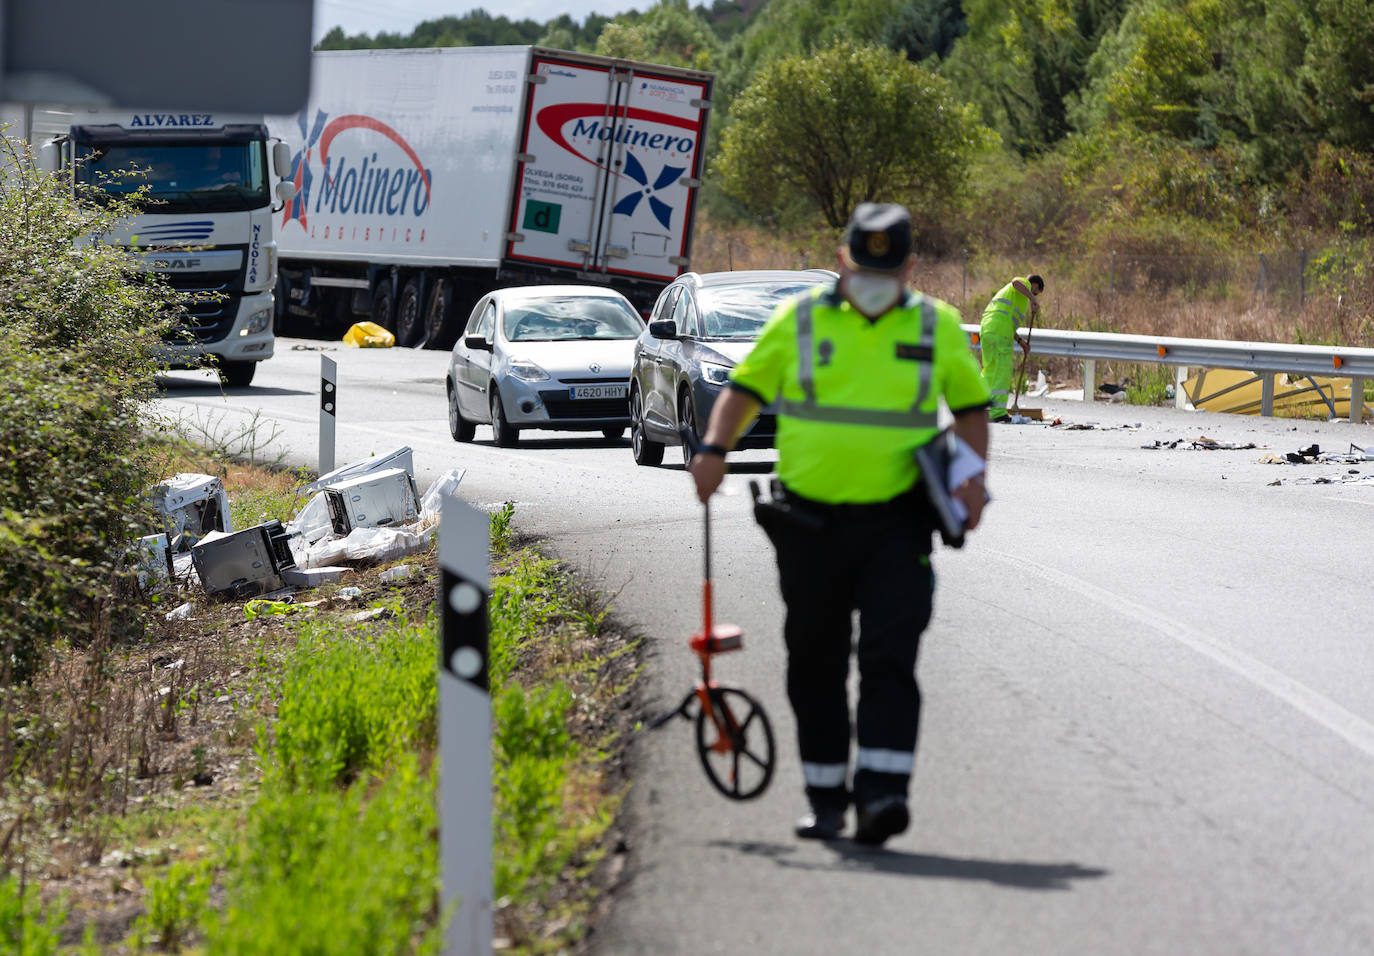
(1149,682)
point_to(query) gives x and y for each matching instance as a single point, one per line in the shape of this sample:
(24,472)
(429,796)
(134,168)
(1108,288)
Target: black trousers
(874,559)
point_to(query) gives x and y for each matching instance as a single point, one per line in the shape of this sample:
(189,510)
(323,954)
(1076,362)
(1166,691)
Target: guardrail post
(464,728)
(1089,379)
(1267,394)
(1357,400)
(329,399)
(1180,393)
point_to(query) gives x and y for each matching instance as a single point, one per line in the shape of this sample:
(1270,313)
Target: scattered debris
(155,569)
(397,574)
(181,612)
(372,614)
(261,606)
(383,499)
(310,577)
(368,335)
(401,457)
(350,592)
(191,505)
(1276,481)
(1091,426)
(1202,443)
(244,563)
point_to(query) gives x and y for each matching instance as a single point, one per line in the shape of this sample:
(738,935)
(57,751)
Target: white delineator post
(464,728)
(329,390)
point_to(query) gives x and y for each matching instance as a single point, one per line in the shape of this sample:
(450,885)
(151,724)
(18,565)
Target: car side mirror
(663,329)
(478,342)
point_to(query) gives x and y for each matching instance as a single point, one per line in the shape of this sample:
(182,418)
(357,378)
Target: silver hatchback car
(551,357)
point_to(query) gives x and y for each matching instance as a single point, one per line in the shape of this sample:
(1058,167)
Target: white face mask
(872,294)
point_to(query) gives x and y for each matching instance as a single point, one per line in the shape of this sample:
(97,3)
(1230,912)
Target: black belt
(907,502)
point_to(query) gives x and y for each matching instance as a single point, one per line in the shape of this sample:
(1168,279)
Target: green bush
(27,928)
(82,330)
(176,903)
(336,873)
(351,704)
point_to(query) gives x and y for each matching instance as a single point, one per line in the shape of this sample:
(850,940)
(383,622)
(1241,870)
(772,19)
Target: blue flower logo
(666,177)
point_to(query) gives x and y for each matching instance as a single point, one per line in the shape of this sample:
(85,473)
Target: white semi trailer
(208,227)
(426,178)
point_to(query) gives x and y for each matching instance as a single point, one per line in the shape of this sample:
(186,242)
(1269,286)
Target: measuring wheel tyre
(382,312)
(410,324)
(440,322)
(646,452)
(739,755)
(504,432)
(686,418)
(459,427)
(237,374)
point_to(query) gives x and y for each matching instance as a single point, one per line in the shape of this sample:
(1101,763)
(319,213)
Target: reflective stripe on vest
(808,410)
(1016,311)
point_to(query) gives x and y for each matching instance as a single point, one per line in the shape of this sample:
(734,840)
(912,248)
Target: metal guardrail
(1265,359)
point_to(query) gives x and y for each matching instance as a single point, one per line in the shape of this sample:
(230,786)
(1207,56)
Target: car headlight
(527,371)
(715,374)
(257,322)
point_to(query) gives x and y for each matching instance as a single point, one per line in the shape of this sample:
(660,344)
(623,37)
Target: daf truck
(427,178)
(207,223)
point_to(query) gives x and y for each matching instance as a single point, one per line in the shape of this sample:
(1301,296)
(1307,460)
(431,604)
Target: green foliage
(669,32)
(82,333)
(352,702)
(925,28)
(501,527)
(175,905)
(1024,61)
(477,28)
(1149,385)
(336,872)
(847,125)
(27,927)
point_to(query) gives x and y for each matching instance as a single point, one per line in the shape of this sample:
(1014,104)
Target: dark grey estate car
(701,325)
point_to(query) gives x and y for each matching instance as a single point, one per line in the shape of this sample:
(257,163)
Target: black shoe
(880,819)
(821,823)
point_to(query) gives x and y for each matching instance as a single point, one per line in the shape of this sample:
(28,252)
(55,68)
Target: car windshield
(738,312)
(571,317)
(180,177)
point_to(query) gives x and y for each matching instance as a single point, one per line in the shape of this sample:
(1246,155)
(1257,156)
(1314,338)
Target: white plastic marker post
(329,390)
(464,728)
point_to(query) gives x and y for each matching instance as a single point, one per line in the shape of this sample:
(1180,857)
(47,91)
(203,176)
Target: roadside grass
(266,784)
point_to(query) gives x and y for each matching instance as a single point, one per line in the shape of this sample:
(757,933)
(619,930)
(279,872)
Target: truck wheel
(459,427)
(382,312)
(237,374)
(439,318)
(504,432)
(410,326)
(646,452)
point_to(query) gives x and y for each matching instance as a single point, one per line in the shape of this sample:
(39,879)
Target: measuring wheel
(735,743)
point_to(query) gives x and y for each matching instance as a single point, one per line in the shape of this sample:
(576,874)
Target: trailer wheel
(382,312)
(410,326)
(440,332)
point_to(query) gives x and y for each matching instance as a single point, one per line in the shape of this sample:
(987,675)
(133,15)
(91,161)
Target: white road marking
(1335,718)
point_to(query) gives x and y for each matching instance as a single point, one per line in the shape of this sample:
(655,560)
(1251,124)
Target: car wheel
(503,431)
(440,322)
(611,434)
(410,325)
(646,452)
(237,374)
(382,312)
(459,427)
(687,418)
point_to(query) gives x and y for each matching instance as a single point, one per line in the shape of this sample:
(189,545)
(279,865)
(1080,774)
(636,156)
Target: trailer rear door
(609,166)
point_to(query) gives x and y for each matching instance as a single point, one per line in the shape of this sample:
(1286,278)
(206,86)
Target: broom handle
(1025,357)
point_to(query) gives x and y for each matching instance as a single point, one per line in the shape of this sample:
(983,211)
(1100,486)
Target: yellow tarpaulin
(369,335)
(1241,393)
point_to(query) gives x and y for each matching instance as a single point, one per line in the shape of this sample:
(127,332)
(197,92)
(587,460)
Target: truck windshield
(180,177)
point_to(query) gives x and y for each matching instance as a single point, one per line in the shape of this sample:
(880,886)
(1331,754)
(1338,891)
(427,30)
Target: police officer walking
(858,370)
(1012,304)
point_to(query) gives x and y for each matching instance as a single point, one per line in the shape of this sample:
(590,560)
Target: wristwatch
(711,448)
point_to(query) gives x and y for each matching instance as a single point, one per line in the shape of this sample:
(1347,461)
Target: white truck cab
(208,223)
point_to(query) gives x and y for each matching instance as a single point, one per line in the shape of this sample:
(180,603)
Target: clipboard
(947,462)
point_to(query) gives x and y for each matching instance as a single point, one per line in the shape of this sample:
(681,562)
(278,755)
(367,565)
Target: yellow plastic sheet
(1242,393)
(369,335)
